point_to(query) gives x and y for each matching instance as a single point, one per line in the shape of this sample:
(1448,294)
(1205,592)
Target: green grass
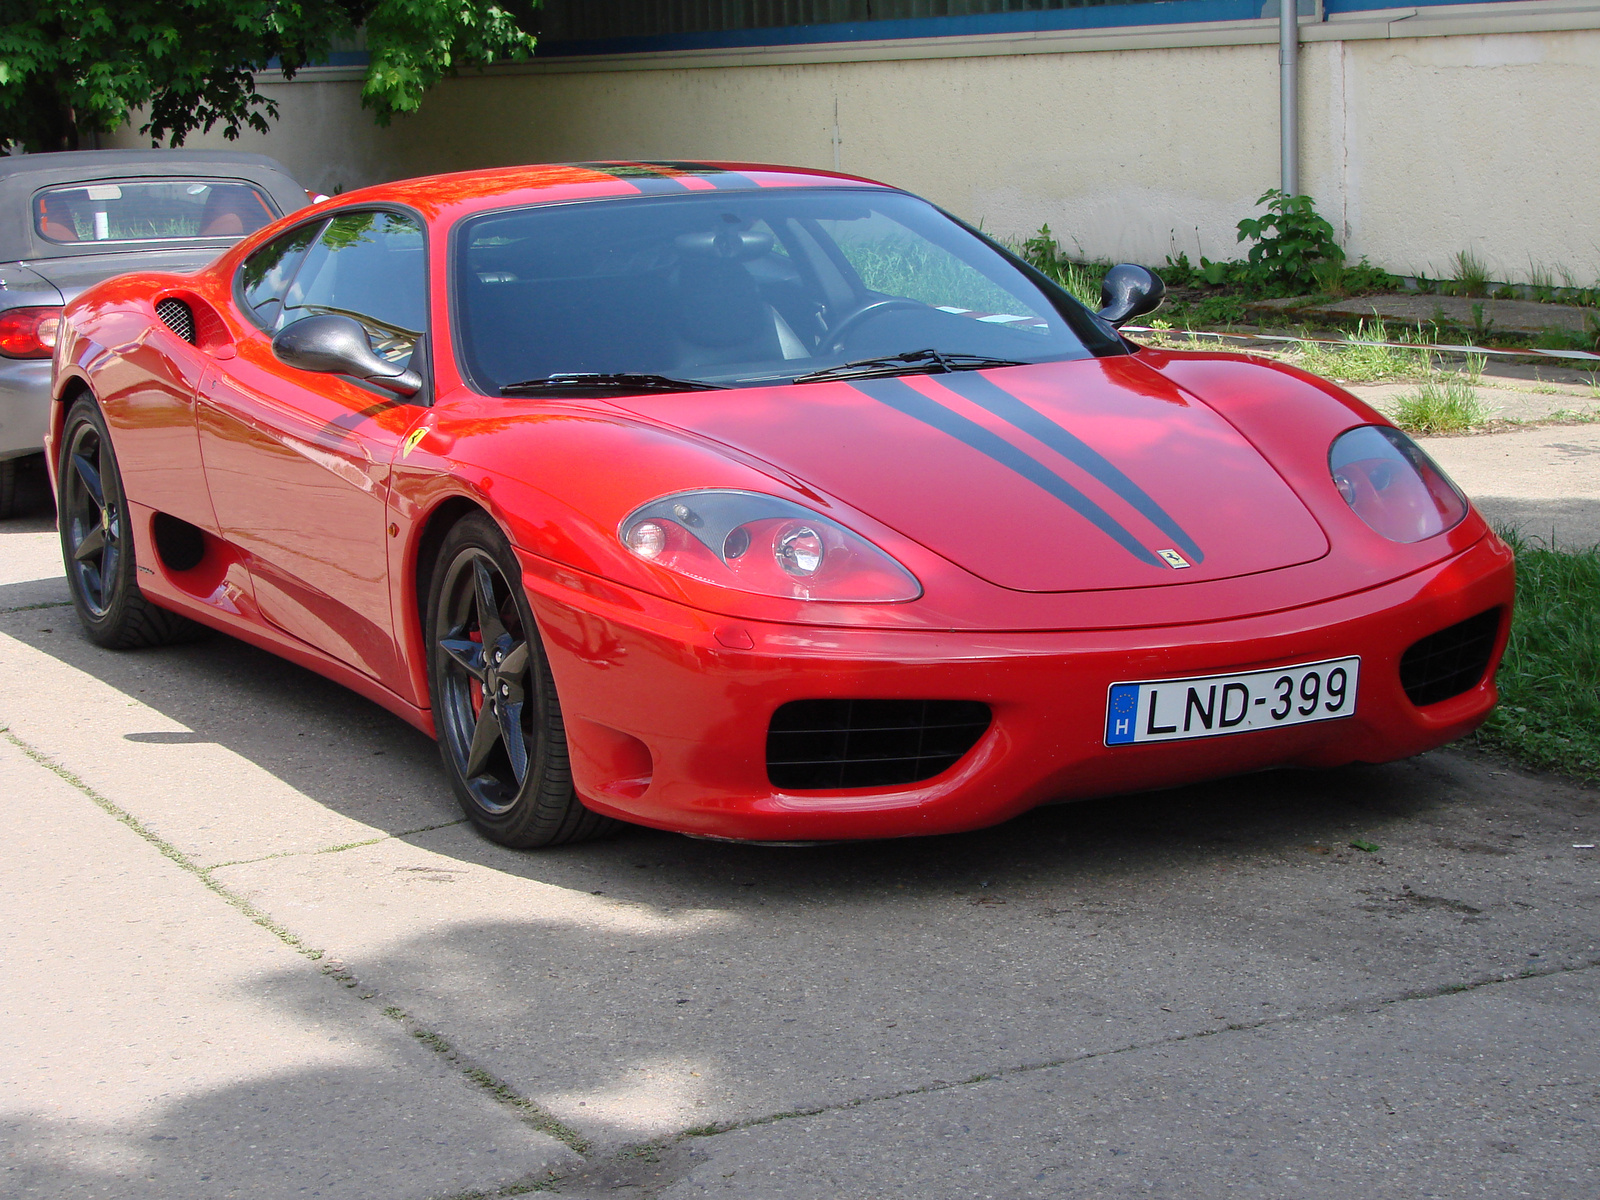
(1549,714)
(1448,405)
(1471,276)
(1355,363)
(1081,279)
(1222,310)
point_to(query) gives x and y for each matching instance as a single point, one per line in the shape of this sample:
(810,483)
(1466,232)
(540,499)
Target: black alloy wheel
(494,701)
(97,544)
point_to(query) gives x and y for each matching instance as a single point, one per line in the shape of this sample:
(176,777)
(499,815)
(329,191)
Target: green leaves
(1291,243)
(69,68)
(414,43)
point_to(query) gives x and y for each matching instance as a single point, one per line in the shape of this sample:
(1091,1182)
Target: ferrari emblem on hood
(1173,559)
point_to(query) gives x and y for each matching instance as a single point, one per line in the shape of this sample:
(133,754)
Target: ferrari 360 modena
(757,503)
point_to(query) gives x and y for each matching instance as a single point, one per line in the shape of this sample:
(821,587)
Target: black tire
(494,702)
(97,544)
(8,488)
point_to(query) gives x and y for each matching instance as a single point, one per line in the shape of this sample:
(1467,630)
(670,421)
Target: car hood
(72,274)
(1052,477)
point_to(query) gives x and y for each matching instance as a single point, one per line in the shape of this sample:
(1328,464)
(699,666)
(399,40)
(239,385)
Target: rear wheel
(97,543)
(494,702)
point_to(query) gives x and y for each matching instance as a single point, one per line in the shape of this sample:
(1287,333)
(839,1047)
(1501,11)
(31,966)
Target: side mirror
(1129,291)
(338,345)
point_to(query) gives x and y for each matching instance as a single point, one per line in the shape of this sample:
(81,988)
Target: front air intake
(1449,662)
(178,317)
(817,744)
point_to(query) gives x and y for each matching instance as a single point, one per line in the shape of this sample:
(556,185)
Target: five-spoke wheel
(97,544)
(91,517)
(494,701)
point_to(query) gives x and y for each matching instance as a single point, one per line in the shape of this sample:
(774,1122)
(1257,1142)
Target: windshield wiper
(912,362)
(601,382)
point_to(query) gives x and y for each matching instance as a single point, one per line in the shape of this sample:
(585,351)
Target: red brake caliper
(477,688)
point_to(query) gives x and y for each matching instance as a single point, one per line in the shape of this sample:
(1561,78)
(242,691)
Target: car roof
(547,183)
(21,175)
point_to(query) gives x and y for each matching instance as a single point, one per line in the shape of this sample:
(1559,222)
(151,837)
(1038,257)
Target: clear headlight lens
(1393,486)
(762,544)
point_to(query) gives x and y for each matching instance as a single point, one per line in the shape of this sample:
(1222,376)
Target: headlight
(1392,485)
(761,544)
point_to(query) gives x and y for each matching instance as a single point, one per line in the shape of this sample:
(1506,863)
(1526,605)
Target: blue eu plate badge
(1121,713)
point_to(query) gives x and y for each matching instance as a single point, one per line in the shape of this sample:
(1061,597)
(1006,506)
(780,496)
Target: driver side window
(368,265)
(371,266)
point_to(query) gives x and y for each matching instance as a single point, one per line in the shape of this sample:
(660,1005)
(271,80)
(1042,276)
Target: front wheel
(494,700)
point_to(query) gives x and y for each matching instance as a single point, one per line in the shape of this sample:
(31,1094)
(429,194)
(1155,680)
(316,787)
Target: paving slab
(640,987)
(1488,1093)
(208,800)
(1545,482)
(157,1043)
(1421,308)
(30,566)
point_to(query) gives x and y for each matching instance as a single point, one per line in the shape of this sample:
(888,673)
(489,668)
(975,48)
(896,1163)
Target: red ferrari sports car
(757,503)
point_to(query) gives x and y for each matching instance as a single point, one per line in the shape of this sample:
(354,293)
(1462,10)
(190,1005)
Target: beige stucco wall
(1416,148)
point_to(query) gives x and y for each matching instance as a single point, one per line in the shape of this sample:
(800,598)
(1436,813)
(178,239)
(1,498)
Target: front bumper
(667,714)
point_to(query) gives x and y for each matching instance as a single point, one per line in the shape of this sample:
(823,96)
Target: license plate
(1170,710)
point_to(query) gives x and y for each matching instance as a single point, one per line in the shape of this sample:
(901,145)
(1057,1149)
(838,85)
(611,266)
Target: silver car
(70,220)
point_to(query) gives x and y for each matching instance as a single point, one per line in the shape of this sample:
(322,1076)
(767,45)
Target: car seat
(232,211)
(55,219)
(720,315)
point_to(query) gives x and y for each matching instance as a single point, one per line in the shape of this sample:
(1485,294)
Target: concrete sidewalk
(159,1043)
(1544,482)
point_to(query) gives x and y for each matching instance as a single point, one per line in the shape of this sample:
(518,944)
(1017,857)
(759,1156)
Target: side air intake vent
(178,317)
(1449,662)
(814,744)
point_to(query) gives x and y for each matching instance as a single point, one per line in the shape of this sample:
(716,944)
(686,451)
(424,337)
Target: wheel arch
(71,392)
(425,549)
(417,577)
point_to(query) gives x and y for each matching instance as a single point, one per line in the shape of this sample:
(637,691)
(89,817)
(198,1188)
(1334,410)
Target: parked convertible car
(70,220)
(757,503)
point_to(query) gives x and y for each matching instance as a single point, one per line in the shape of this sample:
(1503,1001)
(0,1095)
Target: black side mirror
(338,345)
(1129,291)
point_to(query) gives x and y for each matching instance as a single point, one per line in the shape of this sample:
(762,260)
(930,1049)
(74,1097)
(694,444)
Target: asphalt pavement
(251,950)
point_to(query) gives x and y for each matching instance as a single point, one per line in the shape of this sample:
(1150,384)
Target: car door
(298,462)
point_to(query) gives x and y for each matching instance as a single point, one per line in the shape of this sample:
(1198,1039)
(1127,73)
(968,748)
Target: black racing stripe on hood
(991,397)
(644,177)
(903,398)
(718,177)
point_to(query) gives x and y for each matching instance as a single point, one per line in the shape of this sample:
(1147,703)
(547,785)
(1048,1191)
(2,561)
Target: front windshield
(745,289)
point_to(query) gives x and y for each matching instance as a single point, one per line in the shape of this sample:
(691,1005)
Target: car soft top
(22,175)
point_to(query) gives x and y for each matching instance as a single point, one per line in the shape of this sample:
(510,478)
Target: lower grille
(814,744)
(1449,662)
